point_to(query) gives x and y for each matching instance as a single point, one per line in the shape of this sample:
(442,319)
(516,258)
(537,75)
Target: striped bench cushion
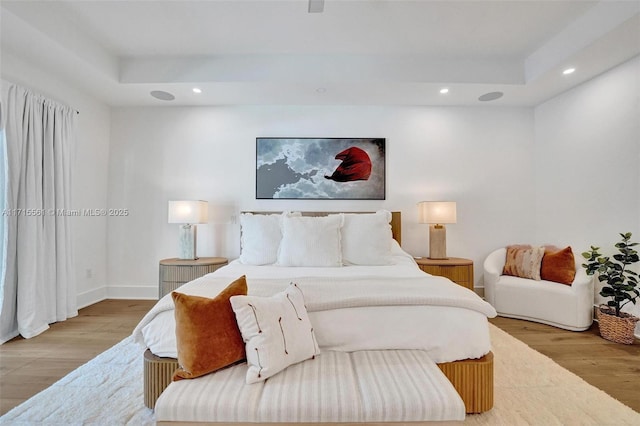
(365,386)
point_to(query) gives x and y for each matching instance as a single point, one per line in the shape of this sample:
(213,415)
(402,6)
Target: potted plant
(620,287)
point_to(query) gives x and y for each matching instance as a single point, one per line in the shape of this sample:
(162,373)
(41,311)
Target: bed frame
(472,378)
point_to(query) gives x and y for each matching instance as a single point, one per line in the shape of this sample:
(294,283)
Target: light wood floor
(29,366)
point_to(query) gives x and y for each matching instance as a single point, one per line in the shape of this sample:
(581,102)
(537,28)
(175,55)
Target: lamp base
(437,242)
(187,242)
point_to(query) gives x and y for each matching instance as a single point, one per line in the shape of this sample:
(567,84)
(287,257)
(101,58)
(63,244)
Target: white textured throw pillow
(311,241)
(276,330)
(366,239)
(260,237)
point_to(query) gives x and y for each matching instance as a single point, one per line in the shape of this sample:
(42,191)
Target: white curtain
(38,284)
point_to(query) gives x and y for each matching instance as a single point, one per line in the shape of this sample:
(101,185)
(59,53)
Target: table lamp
(436,214)
(188,214)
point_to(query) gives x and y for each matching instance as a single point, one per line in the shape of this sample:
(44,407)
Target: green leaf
(607,292)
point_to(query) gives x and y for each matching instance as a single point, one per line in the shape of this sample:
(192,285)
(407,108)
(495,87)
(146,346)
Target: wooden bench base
(472,379)
(158,373)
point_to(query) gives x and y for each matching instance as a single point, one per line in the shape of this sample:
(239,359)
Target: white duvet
(354,308)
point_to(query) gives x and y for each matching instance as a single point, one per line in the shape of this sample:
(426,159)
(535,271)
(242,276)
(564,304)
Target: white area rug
(105,391)
(530,389)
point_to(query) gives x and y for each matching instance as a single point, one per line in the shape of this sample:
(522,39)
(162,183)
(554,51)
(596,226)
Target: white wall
(479,157)
(518,175)
(587,163)
(90,171)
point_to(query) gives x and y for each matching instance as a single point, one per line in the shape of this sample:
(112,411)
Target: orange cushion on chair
(558,266)
(207,334)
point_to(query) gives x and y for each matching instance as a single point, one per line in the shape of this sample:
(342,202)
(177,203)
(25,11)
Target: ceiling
(364,52)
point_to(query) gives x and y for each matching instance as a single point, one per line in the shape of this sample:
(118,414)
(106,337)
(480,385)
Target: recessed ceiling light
(444,90)
(491,96)
(321,90)
(162,95)
(197,90)
(568,71)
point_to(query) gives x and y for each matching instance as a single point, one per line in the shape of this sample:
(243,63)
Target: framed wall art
(320,168)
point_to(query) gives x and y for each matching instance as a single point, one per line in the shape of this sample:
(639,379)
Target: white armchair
(568,307)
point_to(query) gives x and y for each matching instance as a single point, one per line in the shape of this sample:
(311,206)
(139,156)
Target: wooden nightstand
(458,270)
(175,272)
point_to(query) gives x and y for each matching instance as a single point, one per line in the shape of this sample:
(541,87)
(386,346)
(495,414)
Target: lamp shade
(188,212)
(437,212)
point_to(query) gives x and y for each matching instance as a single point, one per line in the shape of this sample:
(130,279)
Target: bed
(381,302)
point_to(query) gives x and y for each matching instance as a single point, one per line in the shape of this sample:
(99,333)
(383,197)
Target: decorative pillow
(366,238)
(207,334)
(276,330)
(260,237)
(310,241)
(523,261)
(558,265)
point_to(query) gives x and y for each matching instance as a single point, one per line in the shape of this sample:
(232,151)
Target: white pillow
(310,241)
(260,237)
(276,330)
(366,239)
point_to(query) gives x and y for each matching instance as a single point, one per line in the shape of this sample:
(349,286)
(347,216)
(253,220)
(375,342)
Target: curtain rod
(40,94)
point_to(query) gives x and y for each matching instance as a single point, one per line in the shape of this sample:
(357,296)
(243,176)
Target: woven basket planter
(616,329)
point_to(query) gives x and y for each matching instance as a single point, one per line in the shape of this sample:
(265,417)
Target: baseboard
(90,297)
(132,292)
(96,295)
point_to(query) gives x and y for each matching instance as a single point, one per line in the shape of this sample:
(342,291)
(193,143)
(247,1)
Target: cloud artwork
(320,168)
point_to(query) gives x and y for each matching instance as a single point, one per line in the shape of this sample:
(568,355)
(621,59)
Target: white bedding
(354,308)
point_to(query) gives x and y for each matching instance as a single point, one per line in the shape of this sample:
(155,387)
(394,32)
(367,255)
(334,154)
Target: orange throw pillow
(207,333)
(558,266)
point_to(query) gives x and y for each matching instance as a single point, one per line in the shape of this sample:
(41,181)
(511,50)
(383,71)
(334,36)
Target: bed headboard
(396,220)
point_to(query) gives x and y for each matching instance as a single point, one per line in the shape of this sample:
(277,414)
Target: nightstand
(458,270)
(175,272)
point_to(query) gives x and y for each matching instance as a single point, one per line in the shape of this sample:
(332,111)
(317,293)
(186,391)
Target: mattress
(413,310)
(365,386)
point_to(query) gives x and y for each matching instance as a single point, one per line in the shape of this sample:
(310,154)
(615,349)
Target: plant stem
(623,277)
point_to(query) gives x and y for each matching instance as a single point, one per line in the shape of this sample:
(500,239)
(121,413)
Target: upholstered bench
(335,387)
(472,379)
